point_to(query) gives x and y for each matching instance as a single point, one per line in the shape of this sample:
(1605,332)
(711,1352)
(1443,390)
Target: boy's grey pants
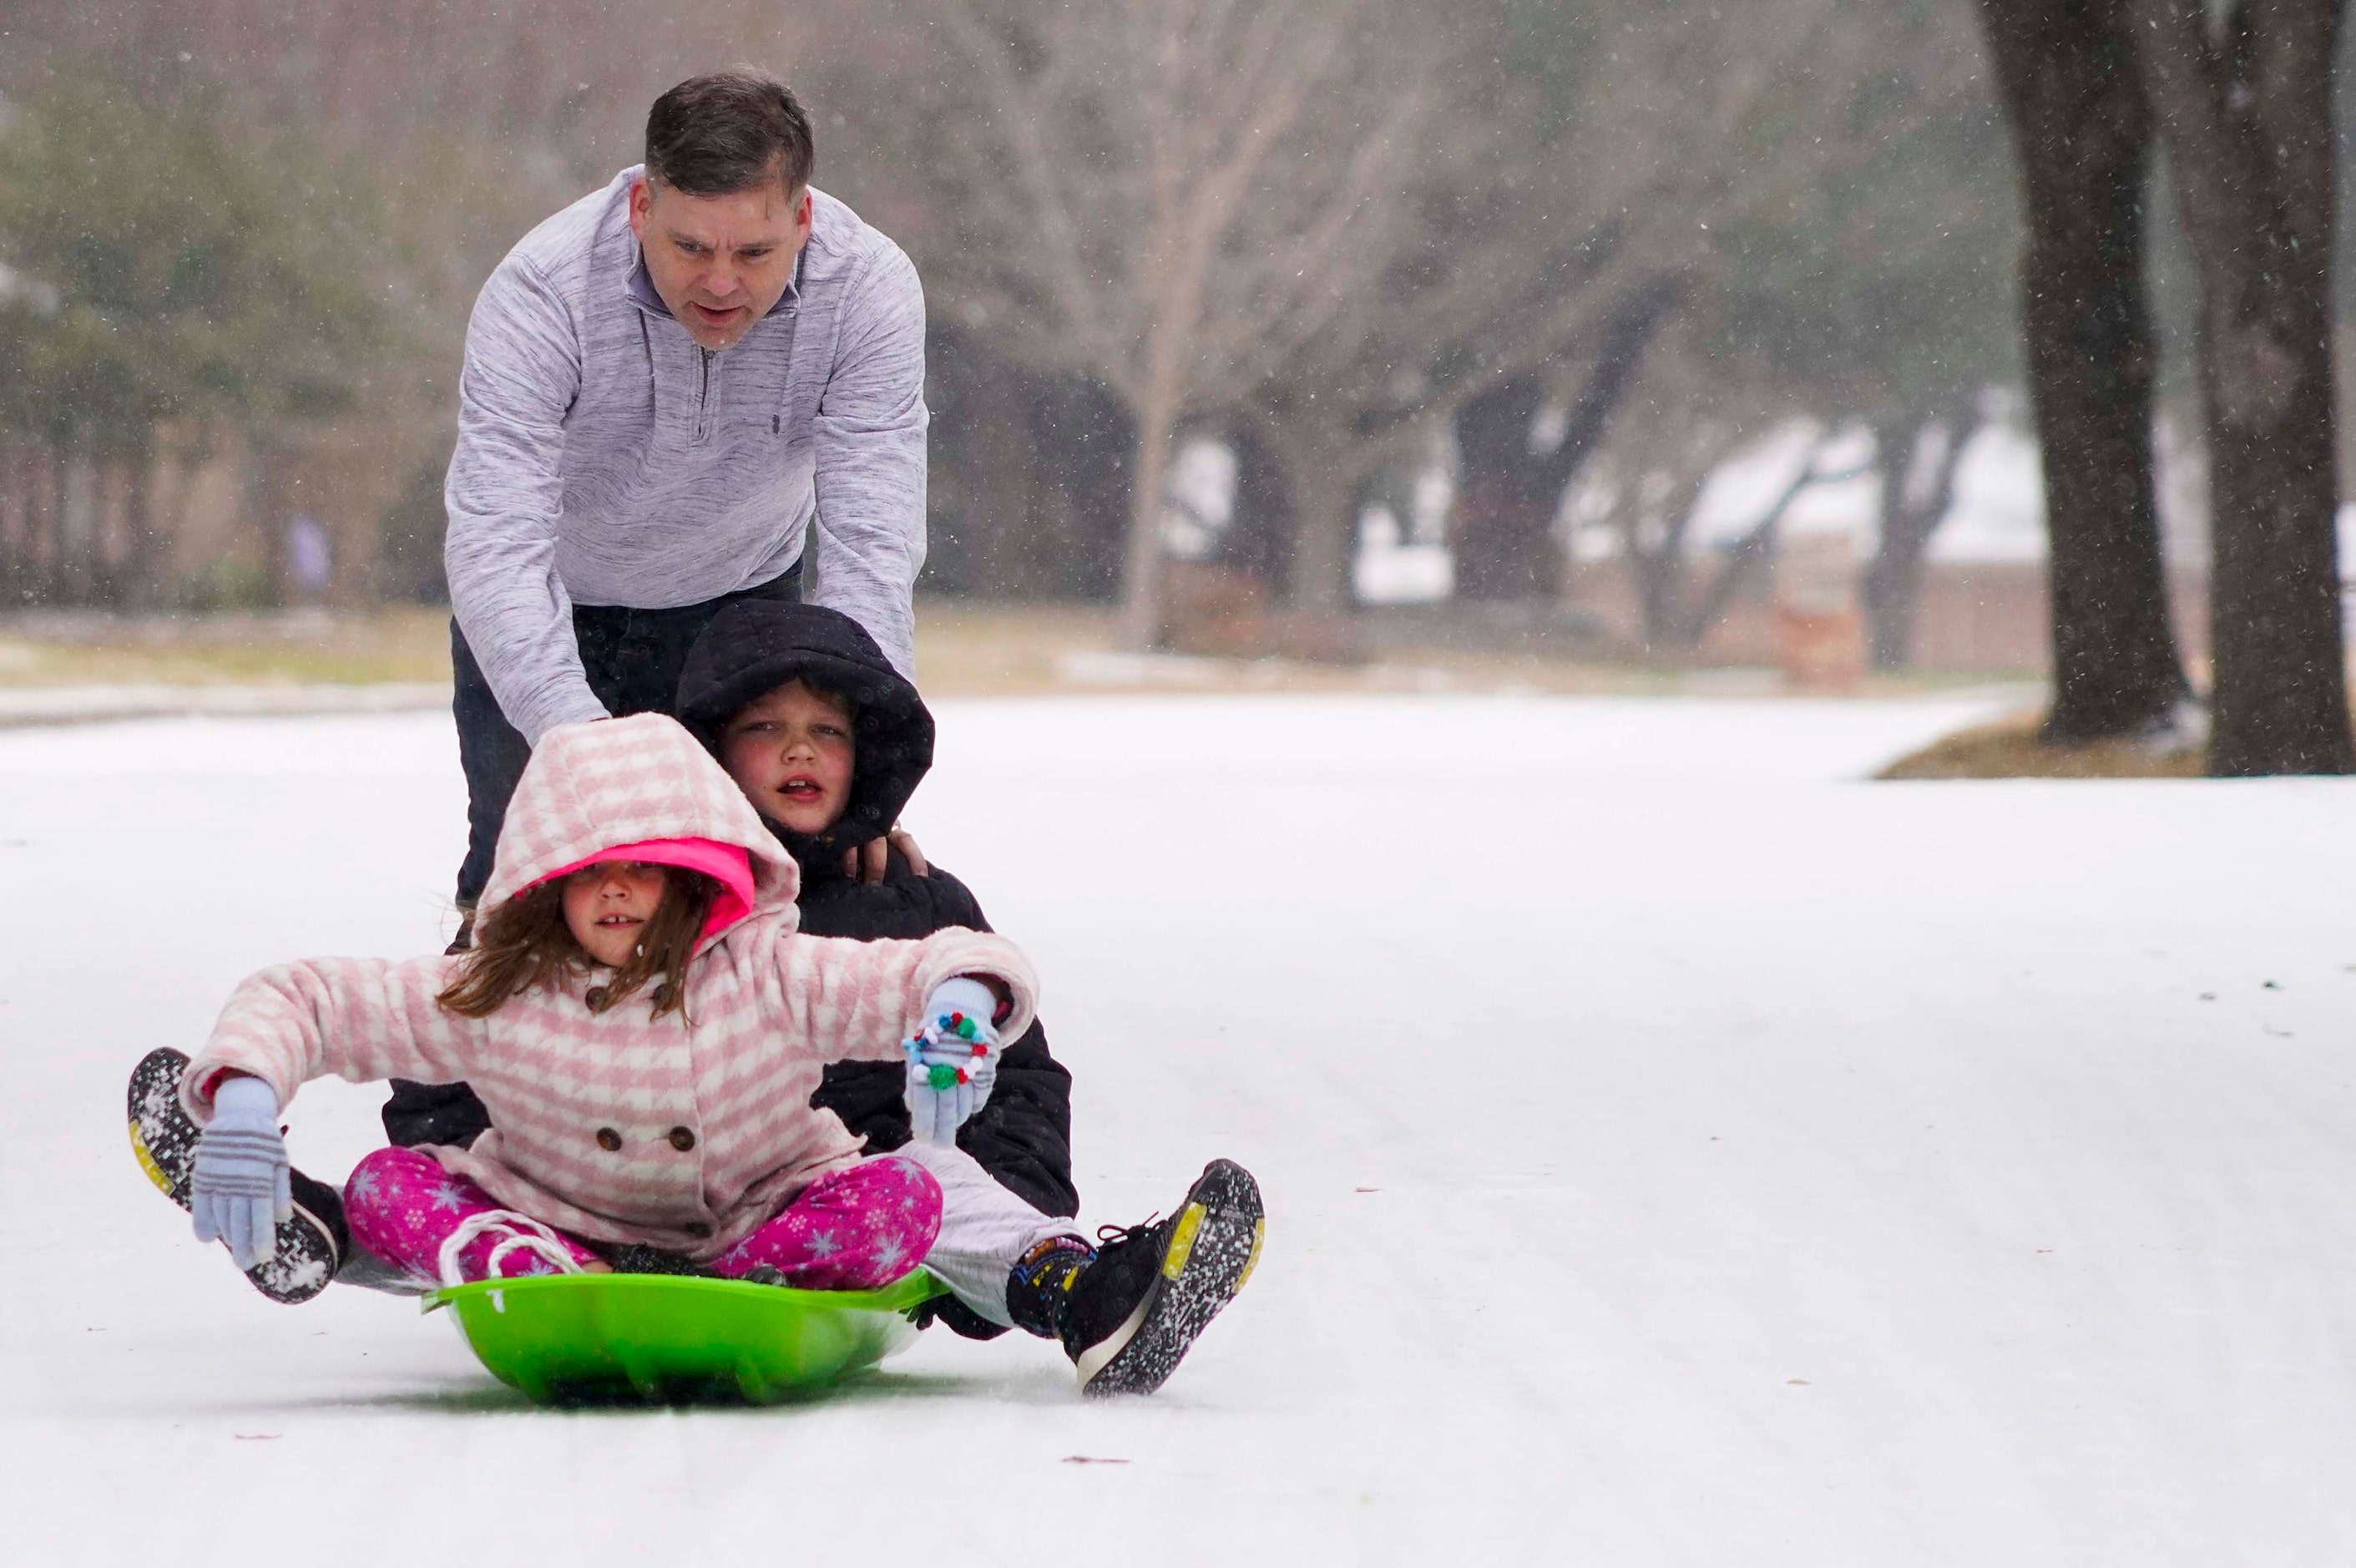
(985,1228)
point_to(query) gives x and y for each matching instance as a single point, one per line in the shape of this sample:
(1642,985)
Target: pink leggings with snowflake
(857,1229)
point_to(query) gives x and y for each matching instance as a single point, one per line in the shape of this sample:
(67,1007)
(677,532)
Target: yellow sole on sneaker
(1213,1244)
(147,1162)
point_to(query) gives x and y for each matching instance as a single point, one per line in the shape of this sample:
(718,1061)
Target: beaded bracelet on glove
(946,1075)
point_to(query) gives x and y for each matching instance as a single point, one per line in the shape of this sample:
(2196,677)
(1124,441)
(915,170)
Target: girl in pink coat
(646,1025)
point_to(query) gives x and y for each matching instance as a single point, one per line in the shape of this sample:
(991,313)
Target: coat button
(608,1139)
(697,1229)
(683,1138)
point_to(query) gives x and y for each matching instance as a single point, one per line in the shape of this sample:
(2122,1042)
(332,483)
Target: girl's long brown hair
(525,942)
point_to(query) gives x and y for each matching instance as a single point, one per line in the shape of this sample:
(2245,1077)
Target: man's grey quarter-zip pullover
(604,457)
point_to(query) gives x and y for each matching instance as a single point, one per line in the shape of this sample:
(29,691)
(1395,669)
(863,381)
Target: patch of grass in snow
(2009,748)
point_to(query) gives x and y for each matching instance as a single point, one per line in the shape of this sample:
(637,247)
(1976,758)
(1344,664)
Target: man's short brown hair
(717,134)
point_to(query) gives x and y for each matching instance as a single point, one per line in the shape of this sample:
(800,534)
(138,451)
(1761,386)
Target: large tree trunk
(1084,447)
(2247,113)
(1503,532)
(265,493)
(76,522)
(143,570)
(1260,534)
(2081,133)
(981,521)
(15,517)
(1326,529)
(38,584)
(1141,568)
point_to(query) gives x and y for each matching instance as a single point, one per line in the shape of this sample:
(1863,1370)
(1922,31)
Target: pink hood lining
(726,863)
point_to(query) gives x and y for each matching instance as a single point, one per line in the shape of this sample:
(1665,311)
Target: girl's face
(790,751)
(607,906)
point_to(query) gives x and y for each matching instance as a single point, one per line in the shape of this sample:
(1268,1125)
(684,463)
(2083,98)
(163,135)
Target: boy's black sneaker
(312,1245)
(1129,1315)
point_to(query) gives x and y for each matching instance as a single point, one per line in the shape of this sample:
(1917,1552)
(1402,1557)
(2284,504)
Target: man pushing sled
(668,387)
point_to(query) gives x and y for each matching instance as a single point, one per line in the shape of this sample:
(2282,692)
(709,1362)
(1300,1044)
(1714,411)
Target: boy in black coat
(769,687)
(1022,1134)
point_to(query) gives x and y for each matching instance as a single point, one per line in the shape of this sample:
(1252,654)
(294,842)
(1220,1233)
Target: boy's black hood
(755,645)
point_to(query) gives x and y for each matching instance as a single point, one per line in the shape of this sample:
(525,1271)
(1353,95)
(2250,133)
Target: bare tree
(2243,101)
(1334,221)
(1554,249)
(1169,195)
(472,122)
(1689,412)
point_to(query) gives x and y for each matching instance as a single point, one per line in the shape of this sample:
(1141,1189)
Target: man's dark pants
(632,659)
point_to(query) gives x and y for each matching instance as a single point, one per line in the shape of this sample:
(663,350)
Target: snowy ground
(1677,1151)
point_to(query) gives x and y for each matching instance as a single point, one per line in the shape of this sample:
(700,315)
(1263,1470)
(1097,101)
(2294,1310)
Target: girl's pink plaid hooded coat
(683,1133)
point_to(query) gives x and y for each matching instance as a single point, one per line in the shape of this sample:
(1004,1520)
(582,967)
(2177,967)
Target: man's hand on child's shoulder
(870,860)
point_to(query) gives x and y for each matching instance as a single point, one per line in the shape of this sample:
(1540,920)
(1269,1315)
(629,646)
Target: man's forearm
(503,495)
(871,465)
(872,592)
(517,623)
(871,532)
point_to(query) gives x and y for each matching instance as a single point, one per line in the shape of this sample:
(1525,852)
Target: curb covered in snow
(28,705)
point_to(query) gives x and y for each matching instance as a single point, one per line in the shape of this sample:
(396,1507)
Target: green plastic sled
(668,1336)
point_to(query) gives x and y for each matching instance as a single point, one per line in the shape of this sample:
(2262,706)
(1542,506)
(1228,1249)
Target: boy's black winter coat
(1024,1135)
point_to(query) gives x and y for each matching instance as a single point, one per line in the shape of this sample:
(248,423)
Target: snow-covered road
(1676,1151)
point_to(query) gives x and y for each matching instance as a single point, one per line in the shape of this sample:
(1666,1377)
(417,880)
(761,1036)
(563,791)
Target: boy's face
(790,751)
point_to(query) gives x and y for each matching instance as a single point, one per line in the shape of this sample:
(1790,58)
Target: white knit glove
(952,1061)
(238,1188)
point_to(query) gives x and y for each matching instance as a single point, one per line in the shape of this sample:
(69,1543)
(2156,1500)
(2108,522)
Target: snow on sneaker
(1129,1315)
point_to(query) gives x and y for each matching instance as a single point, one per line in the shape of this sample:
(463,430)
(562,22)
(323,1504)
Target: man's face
(790,751)
(719,262)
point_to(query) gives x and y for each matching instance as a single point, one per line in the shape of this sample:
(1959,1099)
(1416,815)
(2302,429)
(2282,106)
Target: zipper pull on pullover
(703,397)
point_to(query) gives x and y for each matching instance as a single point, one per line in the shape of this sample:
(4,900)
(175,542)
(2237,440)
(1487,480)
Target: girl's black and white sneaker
(1127,1316)
(312,1245)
